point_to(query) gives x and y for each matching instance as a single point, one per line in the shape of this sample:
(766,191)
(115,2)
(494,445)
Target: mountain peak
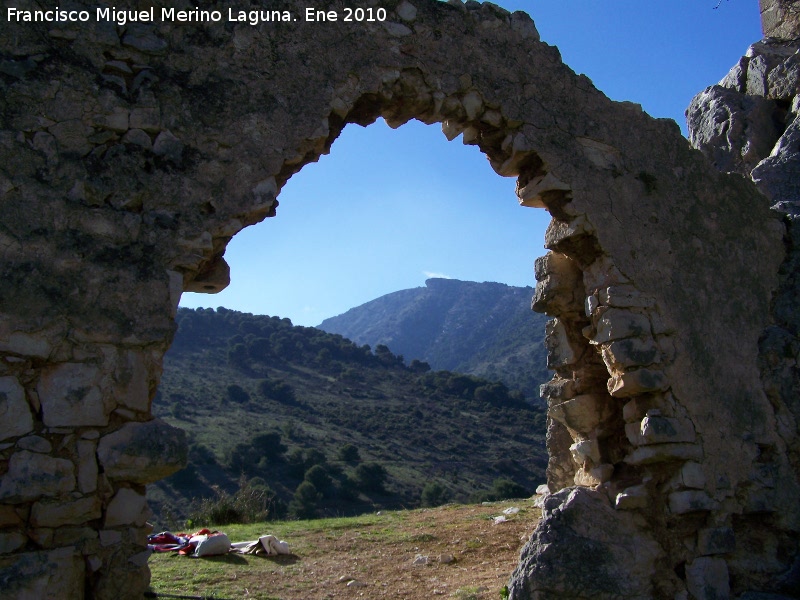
(485,329)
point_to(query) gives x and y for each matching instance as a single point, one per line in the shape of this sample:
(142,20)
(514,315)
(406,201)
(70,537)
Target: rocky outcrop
(750,124)
(129,157)
(780,18)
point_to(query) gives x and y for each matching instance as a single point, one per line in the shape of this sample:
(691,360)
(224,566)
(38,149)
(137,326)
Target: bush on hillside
(280,391)
(370,477)
(434,494)
(305,501)
(253,502)
(502,489)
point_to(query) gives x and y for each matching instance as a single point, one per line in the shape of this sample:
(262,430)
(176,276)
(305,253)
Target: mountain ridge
(480,328)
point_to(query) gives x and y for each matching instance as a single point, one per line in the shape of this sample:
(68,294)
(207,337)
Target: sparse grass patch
(377,550)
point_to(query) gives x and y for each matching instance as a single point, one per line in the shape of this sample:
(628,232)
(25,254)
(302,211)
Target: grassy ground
(469,557)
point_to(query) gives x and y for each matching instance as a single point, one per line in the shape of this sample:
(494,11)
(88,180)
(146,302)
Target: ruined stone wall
(780,18)
(749,124)
(129,157)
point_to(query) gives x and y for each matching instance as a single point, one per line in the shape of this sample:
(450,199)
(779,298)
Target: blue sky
(389,208)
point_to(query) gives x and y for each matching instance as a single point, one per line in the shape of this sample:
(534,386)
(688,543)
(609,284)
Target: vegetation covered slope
(321,426)
(486,329)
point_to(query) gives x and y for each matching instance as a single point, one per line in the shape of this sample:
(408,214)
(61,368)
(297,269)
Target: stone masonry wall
(780,18)
(129,157)
(749,124)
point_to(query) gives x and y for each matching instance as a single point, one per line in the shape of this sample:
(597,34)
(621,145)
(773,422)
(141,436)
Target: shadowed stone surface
(130,156)
(572,553)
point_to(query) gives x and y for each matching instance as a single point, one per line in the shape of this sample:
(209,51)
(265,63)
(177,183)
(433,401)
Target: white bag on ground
(212,545)
(266,544)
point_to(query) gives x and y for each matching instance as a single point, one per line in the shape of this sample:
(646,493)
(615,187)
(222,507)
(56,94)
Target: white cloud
(432,275)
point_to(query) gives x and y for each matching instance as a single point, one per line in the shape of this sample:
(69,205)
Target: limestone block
(15,414)
(584,451)
(625,296)
(560,265)
(72,137)
(757,73)
(116,121)
(557,389)
(94,563)
(473,105)
(688,501)
(656,429)
(31,475)
(783,82)
(146,119)
(75,536)
(582,413)
(584,548)
(707,579)
(127,507)
(560,349)
(87,466)
(586,478)
(11,541)
(736,79)
(558,231)
(42,536)
(599,154)
(560,466)
(735,131)
(630,352)
(640,381)
(168,146)
(524,25)
(140,559)
(602,273)
(633,433)
(143,452)
(110,537)
(48,575)
(138,137)
(777,175)
(557,286)
(635,409)
(57,514)
(632,498)
(594,476)
(35,443)
(9,516)
(133,381)
(71,396)
(716,540)
(396,29)
(617,324)
(531,194)
(406,11)
(692,475)
(24,344)
(657,453)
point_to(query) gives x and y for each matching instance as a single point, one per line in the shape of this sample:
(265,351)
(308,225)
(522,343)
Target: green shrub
(305,501)
(434,494)
(249,504)
(370,477)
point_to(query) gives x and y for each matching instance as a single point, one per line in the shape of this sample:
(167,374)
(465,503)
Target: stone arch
(132,155)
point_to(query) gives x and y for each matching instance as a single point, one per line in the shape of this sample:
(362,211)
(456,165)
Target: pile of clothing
(213,543)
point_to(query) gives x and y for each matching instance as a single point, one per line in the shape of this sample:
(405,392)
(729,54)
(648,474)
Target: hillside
(486,329)
(274,407)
